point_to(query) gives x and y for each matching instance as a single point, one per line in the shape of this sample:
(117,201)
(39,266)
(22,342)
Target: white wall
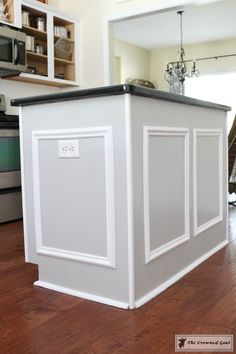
(54,3)
(12,89)
(159,59)
(135,61)
(93,15)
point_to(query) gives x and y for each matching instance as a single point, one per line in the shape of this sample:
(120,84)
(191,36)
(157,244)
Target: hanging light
(176,72)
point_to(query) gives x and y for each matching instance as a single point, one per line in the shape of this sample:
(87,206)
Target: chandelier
(176,72)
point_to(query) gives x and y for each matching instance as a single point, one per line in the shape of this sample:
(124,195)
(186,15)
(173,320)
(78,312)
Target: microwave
(12,52)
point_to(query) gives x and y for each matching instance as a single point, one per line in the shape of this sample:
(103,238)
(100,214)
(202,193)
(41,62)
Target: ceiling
(206,23)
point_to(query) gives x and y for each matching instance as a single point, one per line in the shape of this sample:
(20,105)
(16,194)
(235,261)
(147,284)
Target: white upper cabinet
(51,45)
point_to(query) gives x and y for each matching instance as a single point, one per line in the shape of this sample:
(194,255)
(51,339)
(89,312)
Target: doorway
(146,43)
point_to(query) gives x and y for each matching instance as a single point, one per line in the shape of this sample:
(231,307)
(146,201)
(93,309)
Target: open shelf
(66,25)
(61,66)
(35,32)
(34,12)
(62,61)
(57,37)
(41,58)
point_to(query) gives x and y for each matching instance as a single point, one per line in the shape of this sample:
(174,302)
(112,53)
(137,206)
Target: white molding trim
(130,208)
(178,276)
(198,229)
(108,51)
(81,294)
(170,132)
(90,132)
(50,44)
(22,163)
(225,152)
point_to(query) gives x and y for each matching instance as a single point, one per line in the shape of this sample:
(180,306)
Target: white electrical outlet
(68,149)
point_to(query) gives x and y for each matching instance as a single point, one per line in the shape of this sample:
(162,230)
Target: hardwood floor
(39,321)
(232,222)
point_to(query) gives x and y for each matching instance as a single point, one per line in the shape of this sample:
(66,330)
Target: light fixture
(176,72)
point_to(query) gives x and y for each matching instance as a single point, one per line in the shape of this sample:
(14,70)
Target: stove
(10,179)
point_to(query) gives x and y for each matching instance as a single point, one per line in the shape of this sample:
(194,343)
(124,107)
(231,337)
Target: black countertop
(115,90)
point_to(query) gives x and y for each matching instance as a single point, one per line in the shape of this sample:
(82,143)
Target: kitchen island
(124,189)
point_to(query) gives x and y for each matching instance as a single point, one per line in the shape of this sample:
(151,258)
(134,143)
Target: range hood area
(4,72)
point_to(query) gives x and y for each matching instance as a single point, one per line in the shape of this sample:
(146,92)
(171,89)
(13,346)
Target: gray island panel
(133,213)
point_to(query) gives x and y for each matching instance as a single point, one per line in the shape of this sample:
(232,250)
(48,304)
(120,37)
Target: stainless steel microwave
(12,52)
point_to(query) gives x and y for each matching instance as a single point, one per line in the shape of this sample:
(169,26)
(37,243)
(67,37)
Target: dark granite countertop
(115,90)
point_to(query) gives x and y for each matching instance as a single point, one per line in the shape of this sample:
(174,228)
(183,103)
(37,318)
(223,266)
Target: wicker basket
(63,49)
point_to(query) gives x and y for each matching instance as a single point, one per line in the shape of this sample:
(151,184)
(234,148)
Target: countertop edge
(115,90)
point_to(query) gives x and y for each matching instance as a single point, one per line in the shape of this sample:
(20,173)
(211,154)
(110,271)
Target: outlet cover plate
(68,149)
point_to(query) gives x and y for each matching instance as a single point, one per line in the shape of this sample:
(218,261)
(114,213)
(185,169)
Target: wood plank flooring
(39,321)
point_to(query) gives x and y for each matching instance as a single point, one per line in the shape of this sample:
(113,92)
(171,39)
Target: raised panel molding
(168,132)
(106,133)
(198,229)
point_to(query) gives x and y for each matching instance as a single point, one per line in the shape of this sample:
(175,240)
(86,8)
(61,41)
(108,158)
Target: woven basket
(63,49)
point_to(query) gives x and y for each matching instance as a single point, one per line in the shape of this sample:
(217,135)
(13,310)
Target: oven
(9,158)
(10,180)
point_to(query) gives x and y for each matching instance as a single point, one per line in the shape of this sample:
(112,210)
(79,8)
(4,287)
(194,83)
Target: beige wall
(134,61)
(54,3)
(159,59)
(137,62)
(93,15)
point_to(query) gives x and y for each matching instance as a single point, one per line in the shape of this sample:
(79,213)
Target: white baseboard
(83,295)
(143,299)
(178,276)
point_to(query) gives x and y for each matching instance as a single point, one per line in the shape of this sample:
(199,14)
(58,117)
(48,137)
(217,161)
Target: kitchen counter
(124,189)
(115,90)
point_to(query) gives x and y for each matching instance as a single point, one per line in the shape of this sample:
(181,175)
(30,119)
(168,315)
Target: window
(219,88)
